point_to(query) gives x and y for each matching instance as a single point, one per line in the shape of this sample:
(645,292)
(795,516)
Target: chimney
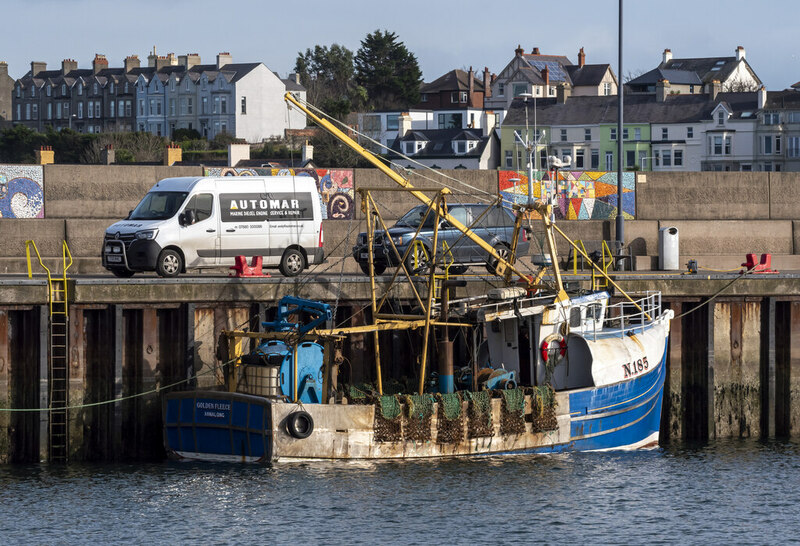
(471,83)
(762,97)
(37,67)
(519,50)
(161,61)
(487,83)
(67,66)
(404,124)
(189,60)
(3,68)
(489,122)
(172,59)
(131,62)
(662,90)
(99,63)
(546,78)
(172,154)
(108,156)
(295,77)
(667,56)
(237,153)
(563,92)
(223,59)
(581,58)
(739,53)
(45,155)
(151,59)
(714,89)
(308,152)
(535,51)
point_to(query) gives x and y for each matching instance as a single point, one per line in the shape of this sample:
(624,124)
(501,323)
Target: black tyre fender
(300,424)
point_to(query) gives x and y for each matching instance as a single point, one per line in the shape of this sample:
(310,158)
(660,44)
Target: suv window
(496,217)
(459,213)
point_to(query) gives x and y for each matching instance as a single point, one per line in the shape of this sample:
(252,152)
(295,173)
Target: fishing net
(388,419)
(479,414)
(512,416)
(451,422)
(543,410)
(361,393)
(419,409)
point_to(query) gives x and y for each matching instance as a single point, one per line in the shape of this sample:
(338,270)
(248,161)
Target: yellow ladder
(607,259)
(58,370)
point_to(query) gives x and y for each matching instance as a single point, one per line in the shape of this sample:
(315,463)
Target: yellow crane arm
(502,263)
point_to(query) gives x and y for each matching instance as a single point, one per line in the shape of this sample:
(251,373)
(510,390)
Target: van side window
(205,206)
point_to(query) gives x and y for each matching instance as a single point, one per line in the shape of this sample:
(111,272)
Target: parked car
(496,227)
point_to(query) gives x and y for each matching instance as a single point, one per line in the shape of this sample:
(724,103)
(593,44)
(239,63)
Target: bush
(185,134)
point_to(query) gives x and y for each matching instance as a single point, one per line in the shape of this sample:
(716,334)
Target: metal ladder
(58,369)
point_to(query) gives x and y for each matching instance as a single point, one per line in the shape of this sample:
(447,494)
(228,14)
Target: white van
(198,222)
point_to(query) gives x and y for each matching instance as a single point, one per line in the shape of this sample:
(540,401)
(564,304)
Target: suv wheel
(417,259)
(503,251)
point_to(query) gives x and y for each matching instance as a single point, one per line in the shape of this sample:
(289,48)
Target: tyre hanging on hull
(300,424)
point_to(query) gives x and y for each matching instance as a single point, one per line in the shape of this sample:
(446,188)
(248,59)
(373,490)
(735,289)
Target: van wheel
(169,263)
(292,263)
(503,251)
(379,268)
(123,273)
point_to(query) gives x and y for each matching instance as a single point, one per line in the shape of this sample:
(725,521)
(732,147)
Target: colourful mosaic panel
(579,195)
(335,186)
(21,191)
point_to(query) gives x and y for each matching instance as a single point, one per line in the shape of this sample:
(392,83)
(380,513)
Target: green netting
(419,409)
(360,391)
(389,406)
(479,423)
(543,410)
(450,421)
(512,417)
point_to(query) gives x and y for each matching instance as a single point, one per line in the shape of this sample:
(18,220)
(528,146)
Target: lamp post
(531,145)
(620,92)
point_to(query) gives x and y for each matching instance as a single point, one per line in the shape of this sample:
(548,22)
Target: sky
(442,35)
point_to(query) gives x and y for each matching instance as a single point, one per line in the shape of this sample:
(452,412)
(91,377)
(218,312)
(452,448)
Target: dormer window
(63,89)
(33,90)
(80,89)
(49,91)
(771,118)
(501,89)
(423,97)
(19,91)
(720,118)
(411,147)
(94,88)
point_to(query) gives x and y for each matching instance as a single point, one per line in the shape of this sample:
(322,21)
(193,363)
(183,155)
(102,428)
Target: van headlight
(148,234)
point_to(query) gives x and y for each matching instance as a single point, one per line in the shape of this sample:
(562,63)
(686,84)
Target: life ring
(300,424)
(545,347)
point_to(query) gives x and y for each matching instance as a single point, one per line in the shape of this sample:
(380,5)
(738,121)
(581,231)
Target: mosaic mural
(335,186)
(21,191)
(580,195)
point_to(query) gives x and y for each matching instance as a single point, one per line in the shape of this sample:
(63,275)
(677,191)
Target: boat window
(595,311)
(575,317)
(159,205)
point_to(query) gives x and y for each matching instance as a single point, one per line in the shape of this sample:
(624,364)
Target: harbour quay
(733,364)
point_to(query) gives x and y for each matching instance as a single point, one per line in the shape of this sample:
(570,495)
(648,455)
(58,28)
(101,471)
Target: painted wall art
(21,191)
(579,195)
(335,186)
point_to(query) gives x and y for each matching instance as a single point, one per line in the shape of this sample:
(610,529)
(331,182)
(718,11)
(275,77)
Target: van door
(198,231)
(291,222)
(244,220)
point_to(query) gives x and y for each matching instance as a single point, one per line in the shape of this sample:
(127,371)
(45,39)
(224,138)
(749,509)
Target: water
(725,491)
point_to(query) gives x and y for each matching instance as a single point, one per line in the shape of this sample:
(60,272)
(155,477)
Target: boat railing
(625,316)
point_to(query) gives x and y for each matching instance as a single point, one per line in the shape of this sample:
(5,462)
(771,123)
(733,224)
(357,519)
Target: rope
(716,294)
(122,399)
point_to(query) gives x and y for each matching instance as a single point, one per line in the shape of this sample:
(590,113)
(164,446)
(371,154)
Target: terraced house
(242,99)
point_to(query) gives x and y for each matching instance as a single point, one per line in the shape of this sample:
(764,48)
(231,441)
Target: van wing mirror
(129,214)
(187,218)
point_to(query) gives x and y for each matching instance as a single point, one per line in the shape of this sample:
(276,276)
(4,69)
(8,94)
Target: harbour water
(723,491)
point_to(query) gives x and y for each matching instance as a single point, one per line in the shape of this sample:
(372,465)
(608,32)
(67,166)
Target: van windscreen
(159,205)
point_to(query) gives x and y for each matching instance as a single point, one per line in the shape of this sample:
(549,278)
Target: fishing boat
(546,371)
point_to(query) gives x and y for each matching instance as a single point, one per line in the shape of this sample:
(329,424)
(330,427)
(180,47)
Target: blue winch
(304,382)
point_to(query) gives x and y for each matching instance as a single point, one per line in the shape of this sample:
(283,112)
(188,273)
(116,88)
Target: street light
(529,144)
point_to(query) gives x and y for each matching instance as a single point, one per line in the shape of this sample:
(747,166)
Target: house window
(126,87)
(727,145)
(637,133)
(94,88)
(691,89)
(690,132)
(141,107)
(111,109)
(501,89)
(720,118)
(463,96)
(66,110)
(766,145)
(777,144)
(595,159)
(49,91)
(643,161)
(579,158)
(33,90)
(587,134)
(80,89)
(771,118)
(793,147)
(111,88)
(717,145)
(27,111)
(172,107)
(223,105)
(80,110)
(664,133)
(630,158)
(244,105)
(63,89)
(158,108)
(454,97)
(461,147)
(223,127)
(678,158)
(613,133)
(128,108)
(666,157)
(152,106)
(49,110)
(607,88)
(609,161)
(392,122)
(410,148)
(35,111)
(190,105)
(625,134)
(793,117)
(19,90)
(423,97)
(450,121)
(519,88)
(563,135)
(657,158)
(767,167)
(509,159)
(58,110)
(216,106)
(746,167)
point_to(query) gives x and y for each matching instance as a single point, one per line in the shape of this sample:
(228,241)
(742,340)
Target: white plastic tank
(668,249)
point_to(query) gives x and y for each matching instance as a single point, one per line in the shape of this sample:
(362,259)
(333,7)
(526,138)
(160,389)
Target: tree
(388,71)
(328,75)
